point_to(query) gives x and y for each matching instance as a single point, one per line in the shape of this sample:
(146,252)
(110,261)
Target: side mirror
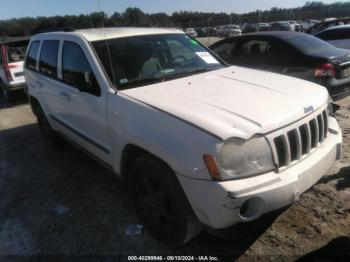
(89,78)
(88,82)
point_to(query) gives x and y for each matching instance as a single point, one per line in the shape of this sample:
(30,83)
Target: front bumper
(222,204)
(13,86)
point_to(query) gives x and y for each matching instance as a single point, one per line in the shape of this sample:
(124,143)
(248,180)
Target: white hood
(234,101)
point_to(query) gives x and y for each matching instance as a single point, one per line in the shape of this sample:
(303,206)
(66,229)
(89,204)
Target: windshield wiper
(196,71)
(139,82)
(152,80)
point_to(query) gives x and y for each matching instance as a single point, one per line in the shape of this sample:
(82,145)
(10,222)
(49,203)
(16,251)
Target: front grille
(295,143)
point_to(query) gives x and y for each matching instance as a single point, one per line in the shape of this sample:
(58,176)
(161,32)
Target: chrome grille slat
(321,127)
(308,138)
(286,149)
(299,145)
(314,132)
(292,144)
(325,118)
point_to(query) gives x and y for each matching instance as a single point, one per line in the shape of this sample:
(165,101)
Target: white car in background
(191,32)
(199,143)
(232,30)
(306,25)
(12,53)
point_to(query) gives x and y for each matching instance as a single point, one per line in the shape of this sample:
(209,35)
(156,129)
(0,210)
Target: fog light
(251,208)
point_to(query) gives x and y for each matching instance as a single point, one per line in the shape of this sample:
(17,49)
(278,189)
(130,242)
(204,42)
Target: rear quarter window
(49,57)
(32,54)
(16,51)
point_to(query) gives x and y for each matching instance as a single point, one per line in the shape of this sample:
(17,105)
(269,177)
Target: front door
(85,115)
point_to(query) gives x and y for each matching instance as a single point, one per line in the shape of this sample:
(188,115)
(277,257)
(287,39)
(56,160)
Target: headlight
(240,158)
(330,106)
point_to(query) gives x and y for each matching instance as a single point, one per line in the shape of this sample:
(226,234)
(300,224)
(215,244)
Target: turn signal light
(212,168)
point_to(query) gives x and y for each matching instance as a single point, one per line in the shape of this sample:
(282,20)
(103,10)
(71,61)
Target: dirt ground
(64,203)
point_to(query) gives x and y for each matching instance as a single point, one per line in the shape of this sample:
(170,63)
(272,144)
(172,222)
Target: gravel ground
(62,202)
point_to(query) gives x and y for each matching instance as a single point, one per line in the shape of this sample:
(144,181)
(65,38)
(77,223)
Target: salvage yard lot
(35,180)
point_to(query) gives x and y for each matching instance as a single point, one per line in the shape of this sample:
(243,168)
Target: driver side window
(76,71)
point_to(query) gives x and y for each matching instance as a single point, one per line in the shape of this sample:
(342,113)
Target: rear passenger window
(76,70)
(48,58)
(226,50)
(31,58)
(255,48)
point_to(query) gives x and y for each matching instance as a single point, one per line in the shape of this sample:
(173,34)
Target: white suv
(198,142)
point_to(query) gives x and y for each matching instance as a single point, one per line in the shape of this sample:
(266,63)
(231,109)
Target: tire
(161,202)
(7,94)
(51,137)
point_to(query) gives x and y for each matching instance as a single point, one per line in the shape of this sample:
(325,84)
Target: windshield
(141,60)
(309,44)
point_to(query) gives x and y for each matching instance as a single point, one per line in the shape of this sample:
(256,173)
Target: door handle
(65,95)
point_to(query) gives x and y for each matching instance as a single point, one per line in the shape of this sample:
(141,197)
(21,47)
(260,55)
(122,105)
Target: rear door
(285,59)
(254,52)
(47,82)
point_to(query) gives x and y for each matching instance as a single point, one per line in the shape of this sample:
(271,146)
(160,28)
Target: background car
(296,25)
(12,54)
(232,30)
(306,25)
(291,53)
(338,36)
(191,32)
(282,26)
(329,23)
(263,27)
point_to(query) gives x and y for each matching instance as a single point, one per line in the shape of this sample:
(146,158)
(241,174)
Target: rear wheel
(51,137)
(161,202)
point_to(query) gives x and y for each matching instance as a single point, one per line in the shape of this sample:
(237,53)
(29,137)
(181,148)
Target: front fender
(178,143)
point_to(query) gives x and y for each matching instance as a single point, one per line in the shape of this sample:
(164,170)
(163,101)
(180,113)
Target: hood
(235,101)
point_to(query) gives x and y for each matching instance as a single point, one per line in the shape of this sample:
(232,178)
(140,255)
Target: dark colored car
(281,26)
(327,24)
(339,36)
(291,53)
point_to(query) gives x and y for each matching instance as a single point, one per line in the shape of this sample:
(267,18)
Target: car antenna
(107,45)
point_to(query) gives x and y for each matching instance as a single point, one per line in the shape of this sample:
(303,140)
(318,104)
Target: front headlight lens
(330,106)
(239,158)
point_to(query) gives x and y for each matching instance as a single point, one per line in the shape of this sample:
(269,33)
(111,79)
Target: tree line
(136,17)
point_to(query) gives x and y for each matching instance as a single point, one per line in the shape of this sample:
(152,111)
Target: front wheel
(161,202)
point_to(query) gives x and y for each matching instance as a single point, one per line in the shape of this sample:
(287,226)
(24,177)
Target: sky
(21,8)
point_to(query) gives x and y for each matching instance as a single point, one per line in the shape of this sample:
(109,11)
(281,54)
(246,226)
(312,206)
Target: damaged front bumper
(222,204)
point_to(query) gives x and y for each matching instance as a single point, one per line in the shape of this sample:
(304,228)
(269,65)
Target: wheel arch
(130,153)
(34,104)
